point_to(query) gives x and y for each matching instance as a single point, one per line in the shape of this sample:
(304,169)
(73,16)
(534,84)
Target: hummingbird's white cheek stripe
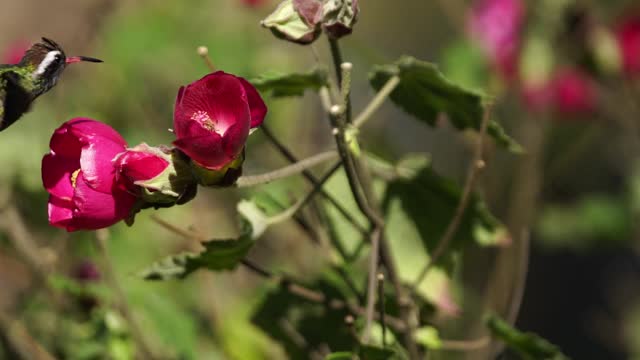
(51,55)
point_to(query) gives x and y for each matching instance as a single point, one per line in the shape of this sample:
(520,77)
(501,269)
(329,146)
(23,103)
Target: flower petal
(56,174)
(222,99)
(96,162)
(95,210)
(60,211)
(85,129)
(257,106)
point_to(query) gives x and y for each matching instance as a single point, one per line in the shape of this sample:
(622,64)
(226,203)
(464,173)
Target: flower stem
(293,169)
(312,179)
(377,101)
(203,51)
(477,163)
(359,179)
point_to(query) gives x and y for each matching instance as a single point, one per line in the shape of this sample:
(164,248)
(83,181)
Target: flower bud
(159,175)
(226,176)
(339,17)
(295,21)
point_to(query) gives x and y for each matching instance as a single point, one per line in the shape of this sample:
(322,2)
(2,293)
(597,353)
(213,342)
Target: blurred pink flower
(497,25)
(570,92)
(628,34)
(80,177)
(213,116)
(14,52)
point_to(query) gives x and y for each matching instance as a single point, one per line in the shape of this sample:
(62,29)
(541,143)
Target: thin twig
(381,307)
(477,163)
(203,51)
(359,180)
(372,281)
(376,102)
(312,179)
(293,169)
(125,310)
(335,116)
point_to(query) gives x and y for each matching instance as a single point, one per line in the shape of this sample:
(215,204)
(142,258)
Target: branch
(371,285)
(359,179)
(312,179)
(376,102)
(475,166)
(293,169)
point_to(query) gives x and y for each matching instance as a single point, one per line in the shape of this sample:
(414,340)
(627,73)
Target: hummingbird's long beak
(75,59)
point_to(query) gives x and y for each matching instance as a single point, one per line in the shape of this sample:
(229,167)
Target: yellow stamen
(74,177)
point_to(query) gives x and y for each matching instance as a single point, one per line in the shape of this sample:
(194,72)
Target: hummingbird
(37,72)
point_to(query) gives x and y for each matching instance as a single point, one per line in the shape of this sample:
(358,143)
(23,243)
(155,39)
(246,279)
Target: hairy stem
(377,101)
(293,169)
(371,284)
(362,190)
(312,179)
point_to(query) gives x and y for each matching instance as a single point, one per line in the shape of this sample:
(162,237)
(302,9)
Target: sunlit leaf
(429,201)
(425,92)
(293,84)
(528,345)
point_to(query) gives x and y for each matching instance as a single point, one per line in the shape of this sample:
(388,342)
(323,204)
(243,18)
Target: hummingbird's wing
(14,99)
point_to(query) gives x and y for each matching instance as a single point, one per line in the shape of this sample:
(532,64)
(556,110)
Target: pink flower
(497,26)
(80,177)
(628,34)
(574,92)
(14,52)
(213,116)
(570,92)
(138,164)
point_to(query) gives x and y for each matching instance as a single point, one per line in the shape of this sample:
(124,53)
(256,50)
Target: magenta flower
(570,92)
(81,180)
(628,35)
(138,164)
(497,25)
(574,92)
(14,52)
(213,116)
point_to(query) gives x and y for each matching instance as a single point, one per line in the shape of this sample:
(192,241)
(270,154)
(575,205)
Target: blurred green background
(577,186)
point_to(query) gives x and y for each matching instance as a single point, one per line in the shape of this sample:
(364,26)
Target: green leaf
(342,355)
(293,84)
(282,314)
(217,254)
(429,337)
(528,345)
(430,201)
(424,92)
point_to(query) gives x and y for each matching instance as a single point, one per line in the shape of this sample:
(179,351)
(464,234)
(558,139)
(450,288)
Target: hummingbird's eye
(51,61)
